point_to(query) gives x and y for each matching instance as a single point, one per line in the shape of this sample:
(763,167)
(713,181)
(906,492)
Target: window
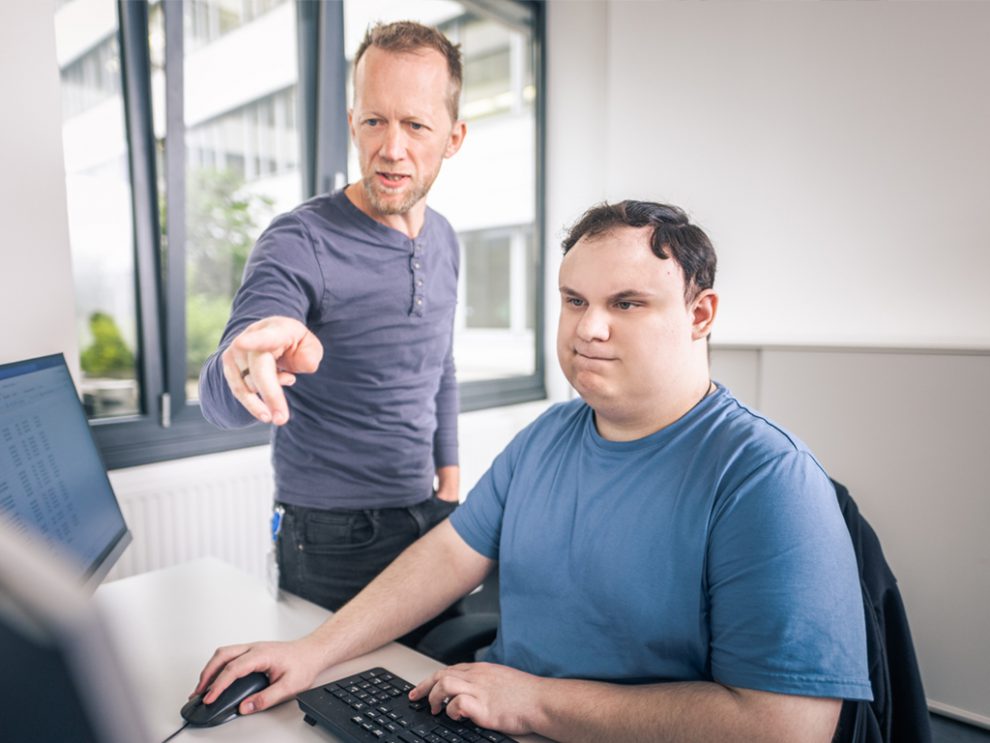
(182,142)
(98,191)
(497,343)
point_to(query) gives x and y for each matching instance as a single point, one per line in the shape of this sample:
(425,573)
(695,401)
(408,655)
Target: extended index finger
(265,377)
(234,375)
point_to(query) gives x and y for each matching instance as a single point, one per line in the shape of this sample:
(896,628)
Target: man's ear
(457,134)
(704,307)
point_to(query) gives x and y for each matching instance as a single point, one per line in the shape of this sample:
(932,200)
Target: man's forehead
(617,246)
(402,61)
(418,79)
(620,233)
(620,259)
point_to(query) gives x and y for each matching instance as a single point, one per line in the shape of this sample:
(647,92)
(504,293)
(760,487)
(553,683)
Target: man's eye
(415,126)
(574,301)
(625,305)
(372,122)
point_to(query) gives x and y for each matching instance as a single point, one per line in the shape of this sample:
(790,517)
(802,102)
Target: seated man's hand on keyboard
(490,695)
(291,667)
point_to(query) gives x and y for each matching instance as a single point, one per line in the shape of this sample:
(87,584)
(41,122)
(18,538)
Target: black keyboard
(375,706)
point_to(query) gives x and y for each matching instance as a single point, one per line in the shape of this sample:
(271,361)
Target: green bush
(108,354)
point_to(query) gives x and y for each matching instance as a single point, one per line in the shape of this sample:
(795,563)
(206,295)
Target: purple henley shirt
(371,425)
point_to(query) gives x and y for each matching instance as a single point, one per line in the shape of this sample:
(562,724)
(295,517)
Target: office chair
(898,712)
(462,638)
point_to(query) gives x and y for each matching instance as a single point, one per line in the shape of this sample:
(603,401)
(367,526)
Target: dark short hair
(673,235)
(410,37)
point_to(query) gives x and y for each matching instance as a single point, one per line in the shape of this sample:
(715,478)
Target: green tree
(108,354)
(223,221)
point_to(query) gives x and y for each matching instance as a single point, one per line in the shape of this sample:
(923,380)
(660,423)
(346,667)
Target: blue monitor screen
(52,480)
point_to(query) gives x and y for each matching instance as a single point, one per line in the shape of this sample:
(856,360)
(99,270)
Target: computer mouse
(224,707)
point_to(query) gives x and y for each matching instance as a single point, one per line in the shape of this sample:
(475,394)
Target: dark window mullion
(331,115)
(308,35)
(175,199)
(322,96)
(539,221)
(136,81)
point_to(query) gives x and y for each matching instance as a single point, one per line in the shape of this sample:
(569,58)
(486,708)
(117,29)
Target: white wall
(842,146)
(36,295)
(576,141)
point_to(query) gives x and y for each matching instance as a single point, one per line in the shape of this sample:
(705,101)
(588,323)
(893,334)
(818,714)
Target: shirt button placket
(416,262)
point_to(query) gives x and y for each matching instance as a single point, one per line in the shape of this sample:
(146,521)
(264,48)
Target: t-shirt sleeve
(282,277)
(478,519)
(787,613)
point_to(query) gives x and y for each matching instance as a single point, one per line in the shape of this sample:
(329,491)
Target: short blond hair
(409,36)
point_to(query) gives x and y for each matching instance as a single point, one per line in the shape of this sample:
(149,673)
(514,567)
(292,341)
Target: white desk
(167,623)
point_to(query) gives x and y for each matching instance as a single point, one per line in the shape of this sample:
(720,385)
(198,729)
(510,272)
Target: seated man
(673,566)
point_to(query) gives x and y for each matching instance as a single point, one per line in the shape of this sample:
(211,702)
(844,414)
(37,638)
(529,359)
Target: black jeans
(328,556)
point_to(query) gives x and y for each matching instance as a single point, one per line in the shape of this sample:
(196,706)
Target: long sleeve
(448,406)
(282,277)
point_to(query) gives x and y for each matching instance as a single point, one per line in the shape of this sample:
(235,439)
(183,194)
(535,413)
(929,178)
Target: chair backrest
(899,710)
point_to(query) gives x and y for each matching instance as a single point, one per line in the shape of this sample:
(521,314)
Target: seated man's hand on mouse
(291,667)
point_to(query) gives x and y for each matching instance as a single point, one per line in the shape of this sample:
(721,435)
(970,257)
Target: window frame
(169,426)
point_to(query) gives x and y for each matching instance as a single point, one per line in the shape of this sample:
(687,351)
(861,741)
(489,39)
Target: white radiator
(217,505)
(220,504)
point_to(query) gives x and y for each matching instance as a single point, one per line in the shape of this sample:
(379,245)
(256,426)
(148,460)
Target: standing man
(673,566)
(341,333)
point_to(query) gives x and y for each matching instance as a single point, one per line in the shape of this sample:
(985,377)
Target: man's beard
(385,206)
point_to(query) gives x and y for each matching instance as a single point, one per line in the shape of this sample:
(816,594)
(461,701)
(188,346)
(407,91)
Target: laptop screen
(53,484)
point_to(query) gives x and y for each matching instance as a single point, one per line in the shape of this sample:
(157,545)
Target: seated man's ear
(703,310)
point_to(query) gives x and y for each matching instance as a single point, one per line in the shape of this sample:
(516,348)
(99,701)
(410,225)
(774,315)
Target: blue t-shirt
(371,425)
(713,549)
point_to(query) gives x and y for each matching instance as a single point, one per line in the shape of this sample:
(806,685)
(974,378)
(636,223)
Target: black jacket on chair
(899,710)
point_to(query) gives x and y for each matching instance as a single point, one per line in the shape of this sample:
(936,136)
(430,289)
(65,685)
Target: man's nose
(394,144)
(593,325)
